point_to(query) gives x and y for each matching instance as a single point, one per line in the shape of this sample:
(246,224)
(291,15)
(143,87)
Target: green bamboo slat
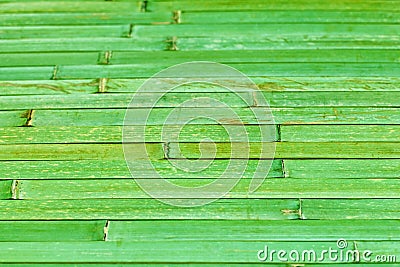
(26,73)
(220,5)
(329,99)
(267,84)
(271,188)
(139,209)
(248,230)
(105,18)
(274,84)
(81,44)
(290,16)
(6,188)
(224,5)
(64,31)
(246,56)
(113,134)
(52,231)
(321,31)
(96,169)
(50,87)
(48,59)
(333,209)
(67,6)
(343,168)
(146,251)
(306,115)
(283,42)
(78,151)
(340,133)
(295,150)
(13,118)
(253,69)
(148,100)
(202,99)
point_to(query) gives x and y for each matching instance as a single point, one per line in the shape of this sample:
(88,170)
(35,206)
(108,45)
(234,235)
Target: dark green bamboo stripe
(139,209)
(52,231)
(307,115)
(267,84)
(64,31)
(248,230)
(333,209)
(96,169)
(271,188)
(339,133)
(343,168)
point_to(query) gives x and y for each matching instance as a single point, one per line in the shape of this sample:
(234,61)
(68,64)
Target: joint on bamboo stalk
(105,230)
(177,16)
(102,85)
(166,150)
(29,118)
(14,189)
(105,57)
(172,43)
(55,70)
(143,6)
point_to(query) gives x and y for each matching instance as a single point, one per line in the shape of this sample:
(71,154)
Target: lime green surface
(330,71)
